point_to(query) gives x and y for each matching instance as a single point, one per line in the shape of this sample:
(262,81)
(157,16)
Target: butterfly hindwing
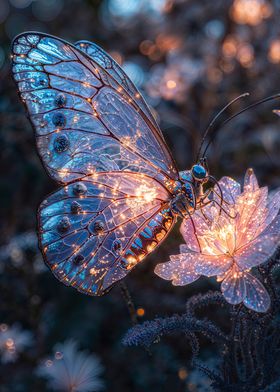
(85,120)
(93,232)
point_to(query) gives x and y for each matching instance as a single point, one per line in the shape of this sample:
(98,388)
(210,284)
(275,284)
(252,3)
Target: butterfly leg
(218,204)
(180,205)
(205,216)
(194,229)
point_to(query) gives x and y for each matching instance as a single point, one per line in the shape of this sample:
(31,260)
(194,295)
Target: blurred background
(189,58)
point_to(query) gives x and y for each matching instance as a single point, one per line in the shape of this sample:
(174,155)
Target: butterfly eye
(199,172)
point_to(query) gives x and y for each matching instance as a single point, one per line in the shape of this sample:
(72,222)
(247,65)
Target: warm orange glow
(140,312)
(167,43)
(245,55)
(230,47)
(274,51)
(250,12)
(171,84)
(63,173)
(10,343)
(182,373)
(117,57)
(146,47)
(234,48)
(144,194)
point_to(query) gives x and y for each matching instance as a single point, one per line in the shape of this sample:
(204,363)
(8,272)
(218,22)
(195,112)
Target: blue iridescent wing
(85,121)
(93,232)
(113,68)
(88,130)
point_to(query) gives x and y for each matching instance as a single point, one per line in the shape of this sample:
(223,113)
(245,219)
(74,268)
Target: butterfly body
(121,191)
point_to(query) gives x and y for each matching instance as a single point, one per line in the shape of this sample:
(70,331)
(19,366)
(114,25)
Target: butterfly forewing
(94,231)
(98,137)
(85,121)
(116,72)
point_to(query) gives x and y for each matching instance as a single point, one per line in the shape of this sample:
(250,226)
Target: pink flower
(228,245)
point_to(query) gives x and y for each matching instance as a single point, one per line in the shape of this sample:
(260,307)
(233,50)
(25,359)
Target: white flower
(230,245)
(13,341)
(72,370)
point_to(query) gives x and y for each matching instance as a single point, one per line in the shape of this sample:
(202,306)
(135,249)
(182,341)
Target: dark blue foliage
(248,353)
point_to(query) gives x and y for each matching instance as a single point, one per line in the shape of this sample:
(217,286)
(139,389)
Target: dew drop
(60,100)
(59,120)
(75,207)
(61,143)
(98,227)
(63,224)
(79,189)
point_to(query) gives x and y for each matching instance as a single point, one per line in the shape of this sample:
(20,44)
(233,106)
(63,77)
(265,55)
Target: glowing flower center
(219,239)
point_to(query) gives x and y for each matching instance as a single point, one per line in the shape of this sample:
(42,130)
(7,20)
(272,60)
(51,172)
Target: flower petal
(233,287)
(187,230)
(251,213)
(250,181)
(259,250)
(273,207)
(180,269)
(230,188)
(209,265)
(257,298)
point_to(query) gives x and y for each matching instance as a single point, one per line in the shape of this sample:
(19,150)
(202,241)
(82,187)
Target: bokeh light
(251,12)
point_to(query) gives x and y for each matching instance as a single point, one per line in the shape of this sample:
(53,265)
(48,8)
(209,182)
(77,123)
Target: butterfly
(121,191)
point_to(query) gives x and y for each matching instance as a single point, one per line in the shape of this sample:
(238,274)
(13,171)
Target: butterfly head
(190,190)
(199,171)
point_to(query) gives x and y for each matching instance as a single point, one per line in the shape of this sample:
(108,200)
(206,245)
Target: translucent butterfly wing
(112,67)
(94,231)
(84,119)
(88,126)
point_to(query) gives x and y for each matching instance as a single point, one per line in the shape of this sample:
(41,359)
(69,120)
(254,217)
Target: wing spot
(78,259)
(76,208)
(63,225)
(59,120)
(60,100)
(79,189)
(61,143)
(98,228)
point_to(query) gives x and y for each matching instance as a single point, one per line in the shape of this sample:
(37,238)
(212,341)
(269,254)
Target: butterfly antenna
(213,122)
(270,98)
